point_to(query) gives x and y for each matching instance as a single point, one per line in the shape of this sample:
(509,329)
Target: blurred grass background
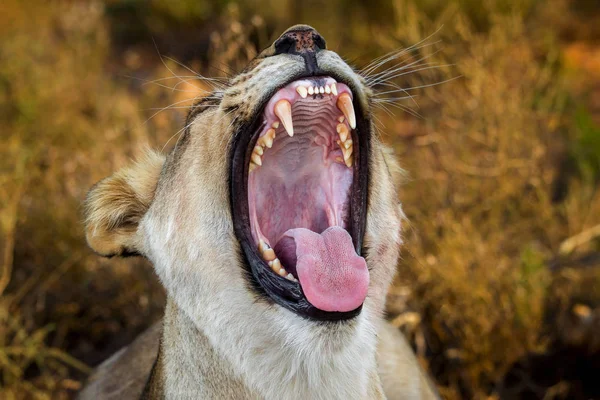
(498,287)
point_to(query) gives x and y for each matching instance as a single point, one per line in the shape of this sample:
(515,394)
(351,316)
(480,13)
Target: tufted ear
(115,205)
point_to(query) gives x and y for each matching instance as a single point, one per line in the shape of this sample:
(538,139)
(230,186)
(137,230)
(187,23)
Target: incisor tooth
(283,110)
(327,89)
(321,90)
(269,255)
(344,103)
(334,89)
(342,130)
(311,90)
(302,91)
(258,150)
(256,159)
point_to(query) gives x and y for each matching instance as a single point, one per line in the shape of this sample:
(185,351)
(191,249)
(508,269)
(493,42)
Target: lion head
(276,213)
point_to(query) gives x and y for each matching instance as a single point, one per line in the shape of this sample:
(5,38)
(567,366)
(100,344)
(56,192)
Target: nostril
(300,41)
(319,41)
(285,45)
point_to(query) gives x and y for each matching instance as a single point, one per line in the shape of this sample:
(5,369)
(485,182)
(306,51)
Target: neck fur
(329,362)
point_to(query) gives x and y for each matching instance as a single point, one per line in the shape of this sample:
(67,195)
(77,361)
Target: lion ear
(115,205)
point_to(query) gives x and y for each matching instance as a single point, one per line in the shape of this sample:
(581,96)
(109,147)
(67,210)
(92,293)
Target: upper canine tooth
(342,130)
(302,91)
(283,110)
(256,159)
(327,89)
(334,89)
(344,103)
(311,90)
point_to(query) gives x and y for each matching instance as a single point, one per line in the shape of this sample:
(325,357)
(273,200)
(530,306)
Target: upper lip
(282,291)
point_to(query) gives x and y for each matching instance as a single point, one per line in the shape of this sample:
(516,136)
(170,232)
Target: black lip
(264,282)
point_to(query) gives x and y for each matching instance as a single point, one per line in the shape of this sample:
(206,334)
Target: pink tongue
(332,275)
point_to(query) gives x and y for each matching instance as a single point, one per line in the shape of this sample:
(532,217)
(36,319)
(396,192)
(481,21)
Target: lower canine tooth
(302,91)
(344,103)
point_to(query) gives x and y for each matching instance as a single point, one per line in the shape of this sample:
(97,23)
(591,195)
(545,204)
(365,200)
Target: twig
(570,244)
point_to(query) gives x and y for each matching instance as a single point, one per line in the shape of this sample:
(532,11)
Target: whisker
(432,84)
(379,61)
(392,99)
(406,109)
(216,81)
(384,75)
(154,82)
(177,133)
(169,107)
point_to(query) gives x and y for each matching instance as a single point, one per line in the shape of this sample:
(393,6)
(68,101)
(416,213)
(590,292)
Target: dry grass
(503,169)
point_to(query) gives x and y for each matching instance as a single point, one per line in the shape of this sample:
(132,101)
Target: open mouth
(299,211)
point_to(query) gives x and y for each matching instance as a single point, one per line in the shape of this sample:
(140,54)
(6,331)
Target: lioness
(274,225)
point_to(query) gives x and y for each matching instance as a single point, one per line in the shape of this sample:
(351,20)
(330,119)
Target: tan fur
(219,338)
(114,206)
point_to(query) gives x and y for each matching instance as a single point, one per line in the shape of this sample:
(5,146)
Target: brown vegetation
(499,285)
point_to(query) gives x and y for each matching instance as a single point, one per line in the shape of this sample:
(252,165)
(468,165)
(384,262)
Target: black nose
(302,40)
(299,40)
